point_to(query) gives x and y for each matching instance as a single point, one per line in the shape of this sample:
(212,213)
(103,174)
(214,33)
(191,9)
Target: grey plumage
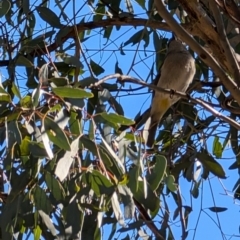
(177,73)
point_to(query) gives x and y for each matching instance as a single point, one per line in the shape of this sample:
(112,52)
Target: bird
(176,73)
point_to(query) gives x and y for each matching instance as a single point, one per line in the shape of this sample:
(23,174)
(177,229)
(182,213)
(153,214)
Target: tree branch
(233,64)
(203,54)
(124,78)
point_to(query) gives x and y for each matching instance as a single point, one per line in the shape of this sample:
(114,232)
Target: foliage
(73,160)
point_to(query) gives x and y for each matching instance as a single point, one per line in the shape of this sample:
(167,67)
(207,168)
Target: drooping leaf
(49,16)
(48,222)
(141,3)
(117,210)
(217,209)
(217,147)
(37,231)
(137,37)
(24,146)
(210,164)
(170,181)
(99,12)
(195,190)
(41,200)
(54,186)
(36,95)
(157,173)
(38,149)
(97,69)
(4,96)
(65,162)
(23,61)
(46,142)
(15,90)
(5,6)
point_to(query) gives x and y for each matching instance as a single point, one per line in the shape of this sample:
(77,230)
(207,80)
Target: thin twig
(182,219)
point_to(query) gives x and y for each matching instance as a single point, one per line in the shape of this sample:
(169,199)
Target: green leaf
(118,69)
(217,147)
(99,12)
(137,37)
(195,190)
(107,32)
(86,82)
(141,3)
(49,16)
(170,181)
(60,81)
(157,174)
(100,184)
(5,5)
(23,61)
(217,209)
(117,119)
(150,202)
(56,134)
(24,146)
(210,164)
(4,96)
(26,102)
(55,187)
(36,94)
(71,92)
(16,91)
(96,68)
(95,149)
(72,60)
(41,200)
(13,129)
(37,231)
(117,106)
(37,149)
(64,163)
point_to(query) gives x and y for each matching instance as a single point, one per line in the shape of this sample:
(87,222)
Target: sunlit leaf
(217,147)
(56,134)
(65,162)
(4,96)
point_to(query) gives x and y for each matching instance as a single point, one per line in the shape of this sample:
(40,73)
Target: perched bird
(177,73)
